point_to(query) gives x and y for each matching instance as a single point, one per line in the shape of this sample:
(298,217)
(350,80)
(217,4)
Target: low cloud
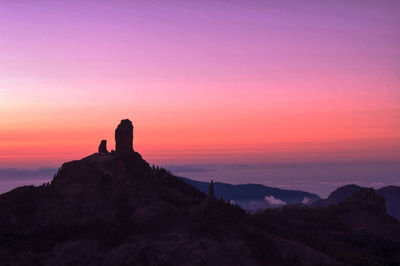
(274,201)
(306,200)
(377,184)
(10,174)
(340,184)
(177,169)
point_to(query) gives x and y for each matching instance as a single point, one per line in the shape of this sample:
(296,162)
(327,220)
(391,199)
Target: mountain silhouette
(255,197)
(113,208)
(391,194)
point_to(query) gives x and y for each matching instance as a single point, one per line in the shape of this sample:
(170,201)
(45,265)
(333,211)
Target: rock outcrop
(211,190)
(338,196)
(124,137)
(103,146)
(210,201)
(366,199)
(391,194)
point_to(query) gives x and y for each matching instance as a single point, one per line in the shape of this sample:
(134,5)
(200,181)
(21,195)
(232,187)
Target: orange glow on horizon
(254,82)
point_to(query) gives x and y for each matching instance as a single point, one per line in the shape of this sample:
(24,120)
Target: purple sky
(203,81)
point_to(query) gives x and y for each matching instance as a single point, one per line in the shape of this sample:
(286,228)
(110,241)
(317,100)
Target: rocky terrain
(113,208)
(391,194)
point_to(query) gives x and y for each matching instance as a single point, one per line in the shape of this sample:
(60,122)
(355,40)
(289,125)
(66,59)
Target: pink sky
(212,81)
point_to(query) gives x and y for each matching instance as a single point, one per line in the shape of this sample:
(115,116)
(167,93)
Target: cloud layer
(274,201)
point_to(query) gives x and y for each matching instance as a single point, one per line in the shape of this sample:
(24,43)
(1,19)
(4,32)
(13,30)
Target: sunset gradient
(220,81)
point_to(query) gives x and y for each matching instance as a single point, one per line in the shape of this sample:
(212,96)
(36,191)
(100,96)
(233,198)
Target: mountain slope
(391,194)
(339,195)
(255,196)
(392,199)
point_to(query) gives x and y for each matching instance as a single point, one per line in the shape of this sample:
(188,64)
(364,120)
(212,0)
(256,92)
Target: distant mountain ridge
(256,196)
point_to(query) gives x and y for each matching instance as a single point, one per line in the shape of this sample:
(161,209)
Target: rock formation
(103,146)
(211,190)
(124,137)
(210,200)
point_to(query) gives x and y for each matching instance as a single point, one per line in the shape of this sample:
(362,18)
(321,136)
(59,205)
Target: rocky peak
(366,199)
(103,146)
(124,137)
(343,193)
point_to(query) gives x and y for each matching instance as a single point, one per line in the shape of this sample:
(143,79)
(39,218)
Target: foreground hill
(114,209)
(111,209)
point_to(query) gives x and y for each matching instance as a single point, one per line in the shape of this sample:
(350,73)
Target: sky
(202,81)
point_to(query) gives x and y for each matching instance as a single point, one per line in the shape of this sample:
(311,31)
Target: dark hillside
(357,231)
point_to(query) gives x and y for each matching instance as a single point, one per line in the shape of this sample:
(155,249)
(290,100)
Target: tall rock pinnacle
(211,190)
(124,137)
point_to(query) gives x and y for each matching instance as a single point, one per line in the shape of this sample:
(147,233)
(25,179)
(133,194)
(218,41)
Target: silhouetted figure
(124,137)
(103,146)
